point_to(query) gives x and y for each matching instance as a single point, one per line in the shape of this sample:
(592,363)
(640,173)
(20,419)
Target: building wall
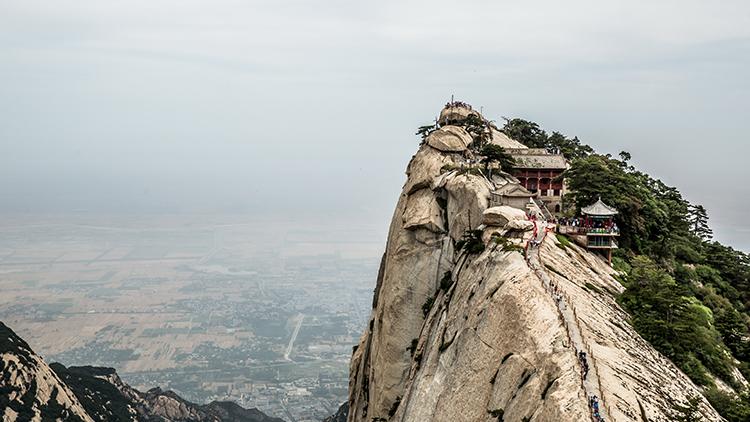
(542,180)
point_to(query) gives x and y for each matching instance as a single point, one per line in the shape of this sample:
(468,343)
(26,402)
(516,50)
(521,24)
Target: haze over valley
(263,313)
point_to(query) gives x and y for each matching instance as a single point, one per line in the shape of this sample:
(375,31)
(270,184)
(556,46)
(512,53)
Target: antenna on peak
(451,97)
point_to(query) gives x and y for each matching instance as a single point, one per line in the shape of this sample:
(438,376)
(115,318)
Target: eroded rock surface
(31,390)
(457,337)
(449,139)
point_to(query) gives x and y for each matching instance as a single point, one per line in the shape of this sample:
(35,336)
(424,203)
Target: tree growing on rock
(496,154)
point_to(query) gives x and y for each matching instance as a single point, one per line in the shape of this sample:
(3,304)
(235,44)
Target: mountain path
(590,382)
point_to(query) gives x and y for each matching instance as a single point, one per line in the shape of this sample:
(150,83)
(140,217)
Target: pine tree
(698,218)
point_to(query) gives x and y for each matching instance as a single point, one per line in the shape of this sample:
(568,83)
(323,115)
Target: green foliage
(479,129)
(689,412)
(447,281)
(564,242)
(590,287)
(687,295)
(529,134)
(426,130)
(496,154)
(698,218)
(675,322)
(733,408)
(471,242)
(506,245)
(620,265)
(462,169)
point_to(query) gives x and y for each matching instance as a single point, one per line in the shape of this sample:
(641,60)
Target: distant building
(513,195)
(540,172)
(596,228)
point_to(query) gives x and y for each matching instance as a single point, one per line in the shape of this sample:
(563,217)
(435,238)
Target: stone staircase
(545,211)
(590,381)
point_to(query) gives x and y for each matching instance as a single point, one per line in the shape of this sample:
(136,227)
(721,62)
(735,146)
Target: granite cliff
(473,322)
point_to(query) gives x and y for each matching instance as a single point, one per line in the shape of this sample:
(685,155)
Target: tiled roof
(513,189)
(599,208)
(539,161)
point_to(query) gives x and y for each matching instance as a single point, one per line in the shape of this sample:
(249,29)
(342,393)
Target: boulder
(502,215)
(426,165)
(449,139)
(519,225)
(452,114)
(422,210)
(468,196)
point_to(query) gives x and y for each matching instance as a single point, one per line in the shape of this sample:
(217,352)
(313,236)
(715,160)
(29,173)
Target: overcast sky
(291,107)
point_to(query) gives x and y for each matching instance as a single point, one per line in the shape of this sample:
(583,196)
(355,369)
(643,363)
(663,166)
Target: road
(290,346)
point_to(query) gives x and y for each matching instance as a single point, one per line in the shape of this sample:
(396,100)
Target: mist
(293,108)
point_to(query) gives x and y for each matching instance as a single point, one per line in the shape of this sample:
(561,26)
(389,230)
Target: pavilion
(597,225)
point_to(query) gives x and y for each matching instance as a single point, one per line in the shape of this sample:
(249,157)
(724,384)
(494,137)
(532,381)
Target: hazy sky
(309,107)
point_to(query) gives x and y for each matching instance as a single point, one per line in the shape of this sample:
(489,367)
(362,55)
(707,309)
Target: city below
(264,314)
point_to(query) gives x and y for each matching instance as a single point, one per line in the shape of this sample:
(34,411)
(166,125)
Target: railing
(571,230)
(563,229)
(542,206)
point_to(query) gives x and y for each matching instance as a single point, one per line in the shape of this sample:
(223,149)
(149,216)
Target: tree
(698,218)
(426,130)
(675,322)
(689,412)
(496,153)
(479,129)
(525,132)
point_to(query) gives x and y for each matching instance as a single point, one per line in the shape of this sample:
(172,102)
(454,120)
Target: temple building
(512,195)
(595,229)
(539,172)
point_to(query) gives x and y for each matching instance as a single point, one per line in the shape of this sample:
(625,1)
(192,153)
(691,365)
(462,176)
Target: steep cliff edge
(490,335)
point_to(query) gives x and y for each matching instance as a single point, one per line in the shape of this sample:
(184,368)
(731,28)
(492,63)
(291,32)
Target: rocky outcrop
(449,139)
(340,415)
(423,211)
(32,390)
(29,388)
(481,337)
(502,215)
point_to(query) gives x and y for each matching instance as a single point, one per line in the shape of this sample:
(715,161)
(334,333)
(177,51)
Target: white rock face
(449,139)
(502,215)
(423,211)
(494,343)
(519,225)
(499,138)
(468,196)
(425,166)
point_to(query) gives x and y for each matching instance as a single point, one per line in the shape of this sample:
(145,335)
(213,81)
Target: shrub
(564,242)
(471,242)
(592,288)
(447,281)
(413,347)
(428,305)
(507,245)
(689,412)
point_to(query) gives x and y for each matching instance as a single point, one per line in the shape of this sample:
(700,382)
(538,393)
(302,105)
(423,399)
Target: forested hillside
(688,295)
